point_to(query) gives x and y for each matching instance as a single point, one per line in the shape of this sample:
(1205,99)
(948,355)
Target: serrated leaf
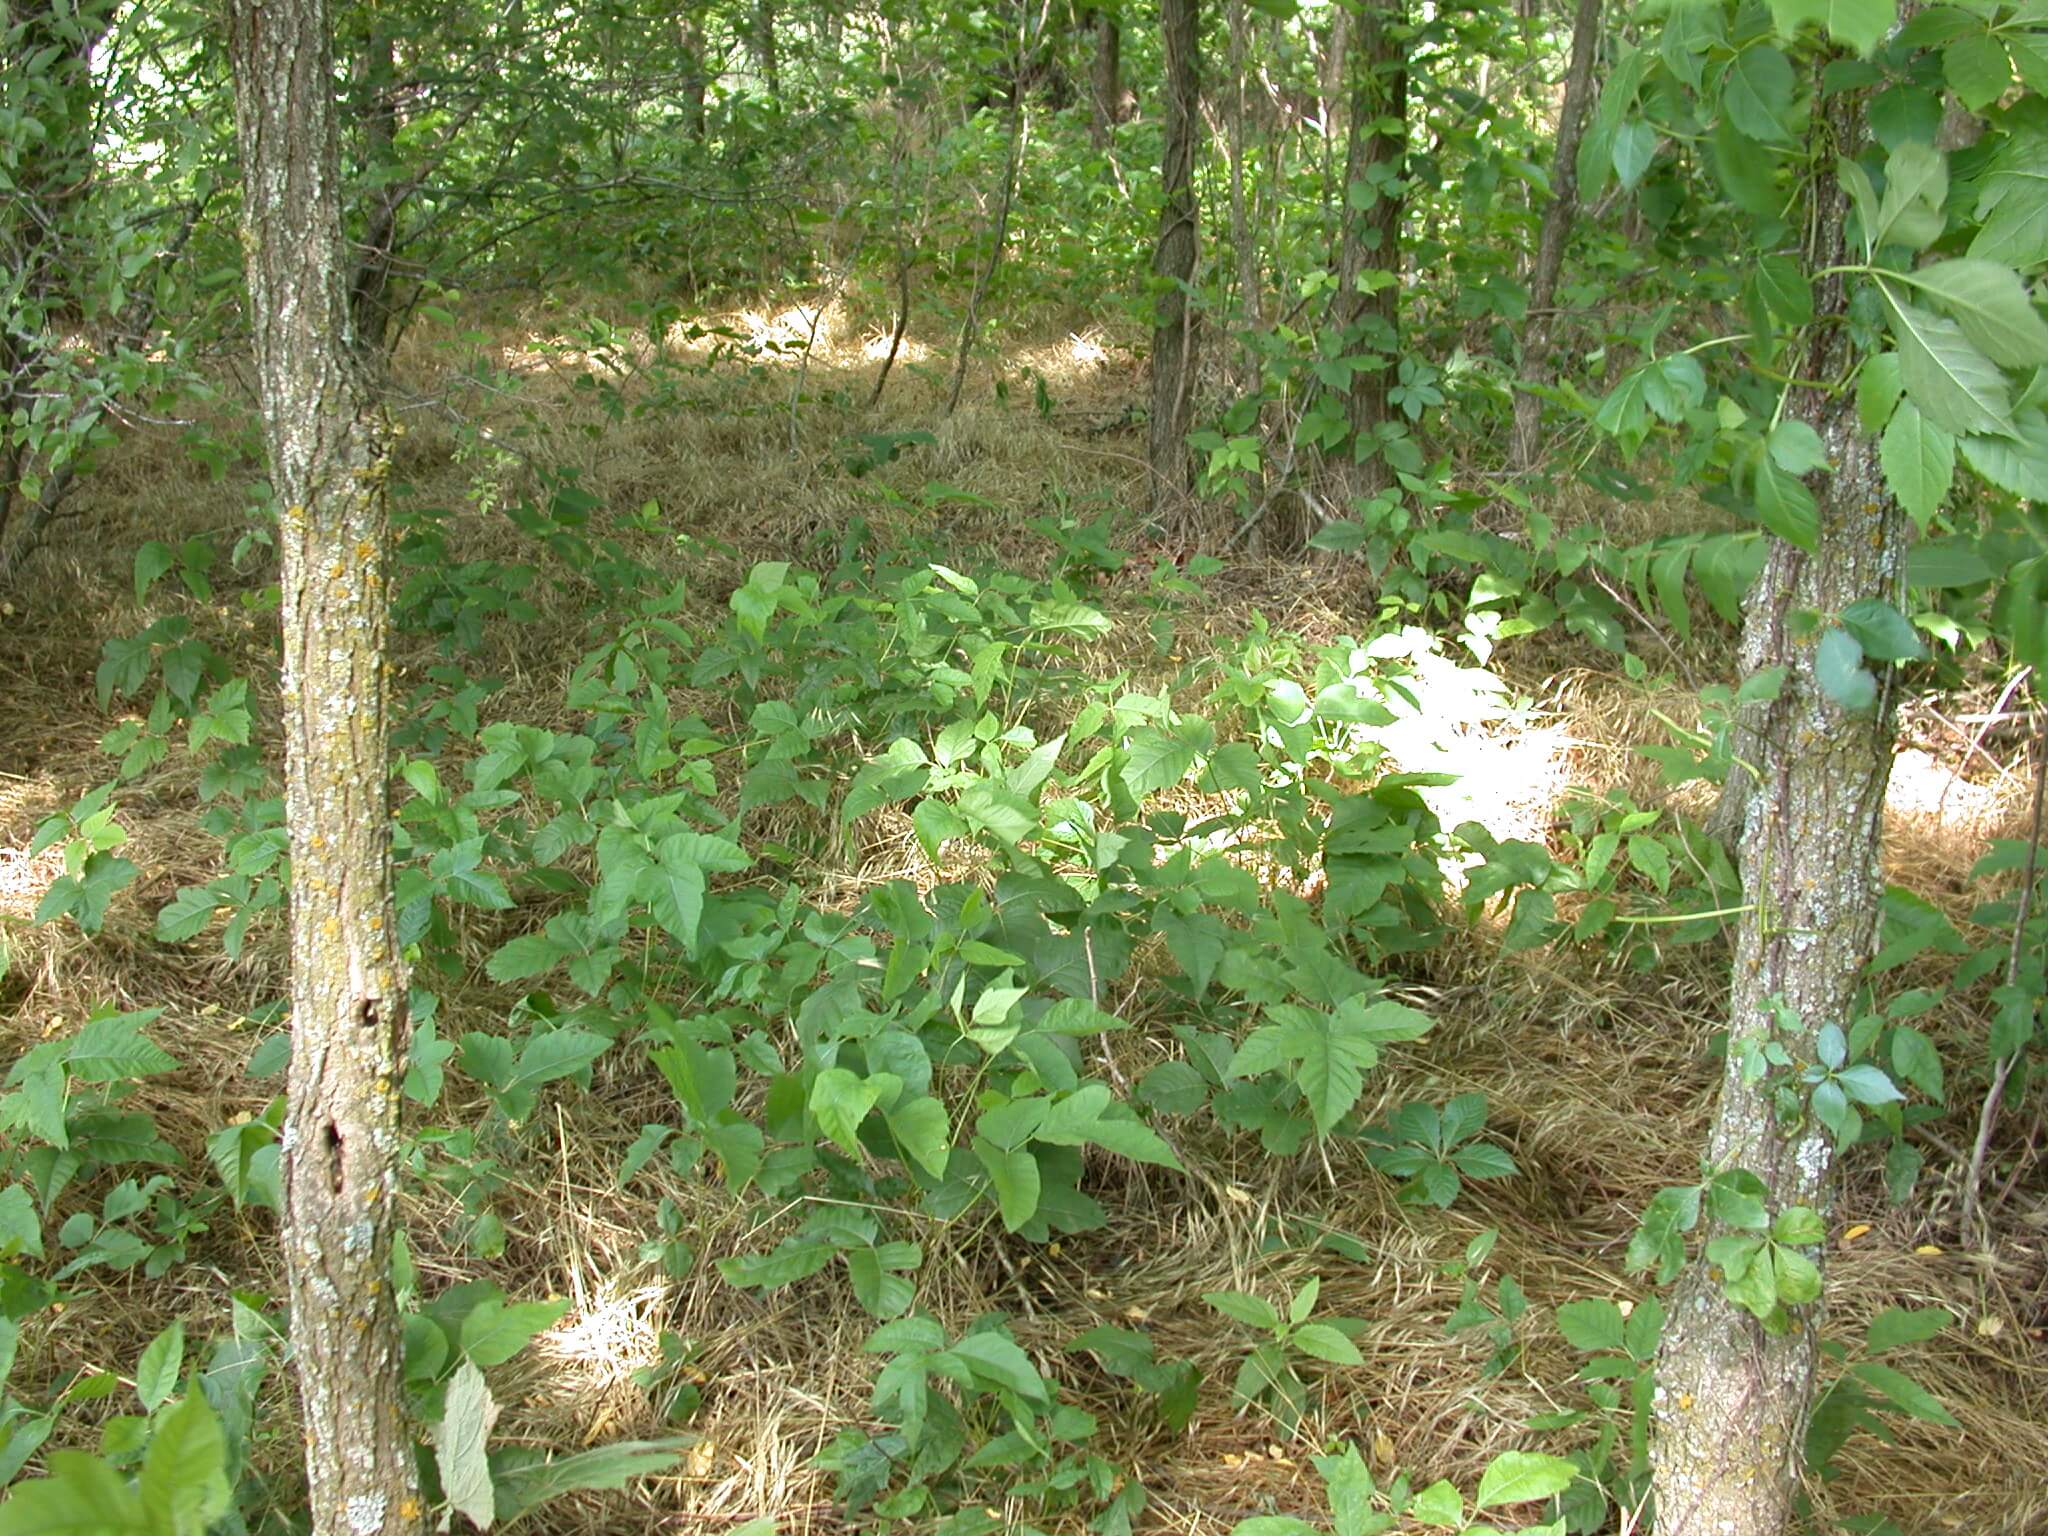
(1991,304)
(1757,93)
(2018,463)
(1785,289)
(157,1368)
(998,810)
(1320,1341)
(1878,388)
(1956,386)
(1785,506)
(1919,461)
(1978,69)
(1593,1326)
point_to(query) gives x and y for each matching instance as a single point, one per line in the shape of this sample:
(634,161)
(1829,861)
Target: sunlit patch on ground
(1923,786)
(1081,356)
(24,877)
(597,1347)
(875,348)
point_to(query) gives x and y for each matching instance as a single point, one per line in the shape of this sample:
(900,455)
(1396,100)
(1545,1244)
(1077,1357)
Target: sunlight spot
(911,350)
(613,1335)
(1924,787)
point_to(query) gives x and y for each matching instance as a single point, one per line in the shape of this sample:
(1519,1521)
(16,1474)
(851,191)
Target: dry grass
(1600,1080)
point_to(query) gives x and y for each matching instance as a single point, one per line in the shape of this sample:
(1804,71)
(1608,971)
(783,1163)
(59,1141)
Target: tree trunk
(1732,1399)
(1557,227)
(696,79)
(328,442)
(1175,339)
(1105,79)
(376,108)
(761,41)
(970,326)
(1250,294)
(1373,205)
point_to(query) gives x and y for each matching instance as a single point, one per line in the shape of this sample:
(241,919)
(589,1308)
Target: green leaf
(21,1230)
(1014,1173)
(1955,385)
(1838,668)
(530,955)
(1348,1483)
(1514,1477)
(1439,1504)
(525,1484)
(1916,186)
(921,1129)
(998,810)
(1635,144)
(184,1484)
(1884,633)
(1978,69)
(461,1442)
(1322,1342)
(1592,1326)
(1799,1225)
(1903,1393)
(82,1496)
(495,1330)
(1786,507)
(1796,448)
(840,1101)
(1757,93)
(2019,463)
(113,1047)
(1991,304)
(1787,293)
(1919,463)
(156,1371)
(1916,1060)
(1878,388)
(997,1360)
(1253,1311)
(1155,760)
(1897,1327)
(1859,24)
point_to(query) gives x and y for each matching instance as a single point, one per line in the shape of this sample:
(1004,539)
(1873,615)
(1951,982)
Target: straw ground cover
(1597,1074)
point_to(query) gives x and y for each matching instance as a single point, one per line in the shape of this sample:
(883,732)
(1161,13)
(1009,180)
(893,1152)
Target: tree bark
(1105,79)
(1373,206)
(376,108)
(1250,294)
(1175,335)
(970,325)
(1733,1400)
(696,75)
(328,444)
(1558,217)
(761,42)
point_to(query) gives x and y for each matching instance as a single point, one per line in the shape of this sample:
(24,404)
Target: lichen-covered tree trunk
(1175,342)
(1732,1400)
(1557,227)
(1373,205)
(328,442)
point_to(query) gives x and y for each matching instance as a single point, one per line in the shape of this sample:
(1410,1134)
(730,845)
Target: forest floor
(1599,1078)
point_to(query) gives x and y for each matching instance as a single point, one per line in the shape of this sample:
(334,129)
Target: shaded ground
(1600,1079)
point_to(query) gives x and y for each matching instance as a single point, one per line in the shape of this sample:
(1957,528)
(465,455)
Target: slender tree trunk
(1557,227)
(1250,294)
(1373,206)
(696,75)
(970,327)
(328,442)
(1105,78)
(376,107)
(1732,1399)
(1175,338)
(761,40)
